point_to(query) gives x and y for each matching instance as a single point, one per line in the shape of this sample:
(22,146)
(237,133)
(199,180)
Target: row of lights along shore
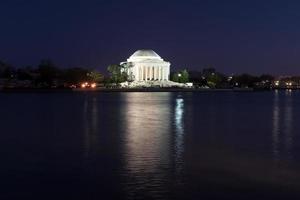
(88,85)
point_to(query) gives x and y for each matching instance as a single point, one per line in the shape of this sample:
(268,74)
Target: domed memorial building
(145,68)
(146,65)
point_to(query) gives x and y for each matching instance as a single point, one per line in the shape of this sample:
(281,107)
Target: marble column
(160,73)
(153,71)
(167,74)
(158,68)
(158,76)
(140,73)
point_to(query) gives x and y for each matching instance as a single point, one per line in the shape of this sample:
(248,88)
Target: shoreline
(106,90)
(158,90)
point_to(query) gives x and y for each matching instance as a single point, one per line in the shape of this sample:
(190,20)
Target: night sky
(233,36)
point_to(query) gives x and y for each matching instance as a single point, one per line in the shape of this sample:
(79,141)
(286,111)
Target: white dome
(145,53)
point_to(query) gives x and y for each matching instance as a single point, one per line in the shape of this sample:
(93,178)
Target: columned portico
(151,73)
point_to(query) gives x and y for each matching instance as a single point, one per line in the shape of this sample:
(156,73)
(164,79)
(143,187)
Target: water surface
(161,145)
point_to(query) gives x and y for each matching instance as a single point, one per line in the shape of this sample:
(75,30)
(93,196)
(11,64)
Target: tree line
(211,78)
(47,74)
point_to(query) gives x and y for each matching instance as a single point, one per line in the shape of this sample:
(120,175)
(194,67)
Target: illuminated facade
(146,65)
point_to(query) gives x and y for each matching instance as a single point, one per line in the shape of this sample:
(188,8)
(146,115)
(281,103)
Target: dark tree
(117,73)
(95,76)
(6,71)
(75,75)
(208,71)
(26,73)
(49,73)
(181,76)
(245,80)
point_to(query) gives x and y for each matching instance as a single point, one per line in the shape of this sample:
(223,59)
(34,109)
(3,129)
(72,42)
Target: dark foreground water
(150,145)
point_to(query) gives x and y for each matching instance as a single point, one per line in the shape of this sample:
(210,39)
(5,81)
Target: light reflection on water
(147,131)
(276,128)
(147,141)
(288,121)
(91,123)
(179,140)
(282,129)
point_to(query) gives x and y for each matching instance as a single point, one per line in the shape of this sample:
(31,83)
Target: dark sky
(233,36)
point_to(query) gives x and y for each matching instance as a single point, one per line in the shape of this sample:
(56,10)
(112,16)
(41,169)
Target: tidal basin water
(229,145)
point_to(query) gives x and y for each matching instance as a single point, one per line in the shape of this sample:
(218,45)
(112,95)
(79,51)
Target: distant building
(146,65)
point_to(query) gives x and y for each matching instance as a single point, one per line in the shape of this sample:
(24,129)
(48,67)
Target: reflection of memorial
(282,138)
(153,137)
(147,131)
